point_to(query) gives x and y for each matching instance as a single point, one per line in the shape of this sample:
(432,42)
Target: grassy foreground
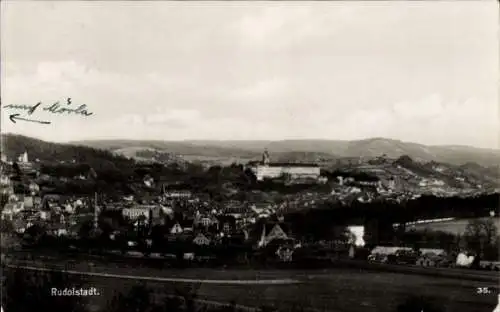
(318,290)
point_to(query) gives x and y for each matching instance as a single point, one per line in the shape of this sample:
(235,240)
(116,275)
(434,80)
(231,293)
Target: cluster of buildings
(203,221)
(22,160)
(289,171)
(185,216)
(181,212)
(396,180)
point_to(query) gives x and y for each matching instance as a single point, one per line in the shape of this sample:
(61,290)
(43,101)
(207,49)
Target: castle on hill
(265,169)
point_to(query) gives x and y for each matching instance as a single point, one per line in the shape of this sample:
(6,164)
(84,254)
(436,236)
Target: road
(344,290)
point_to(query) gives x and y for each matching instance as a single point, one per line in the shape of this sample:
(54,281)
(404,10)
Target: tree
(418,304)
(189,293)
(481,235)
(6,226)
(28,291)
(85,231)
(137,300)
(4,199)
(35,232)
(17,169)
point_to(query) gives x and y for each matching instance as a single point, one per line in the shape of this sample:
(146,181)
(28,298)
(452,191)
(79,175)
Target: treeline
(485,243)
(216,180)
(130,180)
(53,153)
(318,222)
(425,207)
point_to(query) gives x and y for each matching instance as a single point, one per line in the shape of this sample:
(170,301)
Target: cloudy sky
(417,71)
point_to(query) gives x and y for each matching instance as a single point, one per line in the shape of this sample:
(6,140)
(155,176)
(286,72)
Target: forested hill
(48,152)
(312,150)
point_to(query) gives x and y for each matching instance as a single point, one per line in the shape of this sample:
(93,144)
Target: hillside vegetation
(48,152)
(121,162)
(330,149)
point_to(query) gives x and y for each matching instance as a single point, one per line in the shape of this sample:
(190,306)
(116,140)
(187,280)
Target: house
(8,211)
(61,232)
(176,229)
(29,203)
(369,183)
(13,197)
(5,181)
(149,181)
(227,223)
(34,188)
(205,221)
(176,194)
(231,207)
(276,233)
(8,190)
(167,210)
(259,207)
(37,201)
(49,199)
(20,225)
(128,198)
(134,212)
(148,211)
(45,215)
(201,240)
(15,207)
(187,225)
(57,228)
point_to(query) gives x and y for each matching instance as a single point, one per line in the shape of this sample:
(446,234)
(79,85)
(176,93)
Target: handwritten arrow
(15,117)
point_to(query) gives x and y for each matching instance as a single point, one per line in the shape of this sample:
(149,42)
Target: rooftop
(277,164)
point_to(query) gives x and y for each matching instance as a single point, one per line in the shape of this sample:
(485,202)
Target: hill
(48,152)
(147,155)
(120,157)
(178,148)
(331,149)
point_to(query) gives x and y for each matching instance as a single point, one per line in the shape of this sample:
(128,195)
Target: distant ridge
(374,147)
(477,166)
(284,150)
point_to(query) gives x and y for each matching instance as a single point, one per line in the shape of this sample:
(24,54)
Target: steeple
(262,241)
(265,157)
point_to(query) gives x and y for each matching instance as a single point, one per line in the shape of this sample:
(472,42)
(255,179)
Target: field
(319,290)
(453,226)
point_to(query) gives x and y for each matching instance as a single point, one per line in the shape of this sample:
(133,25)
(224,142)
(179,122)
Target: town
(234,157)
(247,210)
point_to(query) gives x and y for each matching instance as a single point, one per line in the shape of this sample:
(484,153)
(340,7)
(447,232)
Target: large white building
(142,210)
(269,170)
(23,158)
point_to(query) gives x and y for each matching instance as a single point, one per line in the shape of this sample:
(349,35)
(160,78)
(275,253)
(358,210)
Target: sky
(419,71)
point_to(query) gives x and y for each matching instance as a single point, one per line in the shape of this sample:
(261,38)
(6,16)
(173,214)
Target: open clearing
(453,226)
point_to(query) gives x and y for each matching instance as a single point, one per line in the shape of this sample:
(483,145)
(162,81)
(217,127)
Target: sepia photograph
(264,156)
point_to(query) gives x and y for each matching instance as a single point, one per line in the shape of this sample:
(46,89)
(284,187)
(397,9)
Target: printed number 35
(482,290)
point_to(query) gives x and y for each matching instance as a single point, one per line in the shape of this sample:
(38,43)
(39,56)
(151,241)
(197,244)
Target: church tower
(265,158)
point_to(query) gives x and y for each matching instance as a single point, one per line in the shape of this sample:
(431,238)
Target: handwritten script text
(55,108)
